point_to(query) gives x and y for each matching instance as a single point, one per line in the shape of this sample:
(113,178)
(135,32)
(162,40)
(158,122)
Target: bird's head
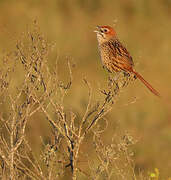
(105,33)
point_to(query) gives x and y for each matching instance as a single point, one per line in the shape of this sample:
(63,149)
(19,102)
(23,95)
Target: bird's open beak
(97,29)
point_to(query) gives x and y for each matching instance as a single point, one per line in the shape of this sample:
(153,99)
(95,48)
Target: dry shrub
(40,90)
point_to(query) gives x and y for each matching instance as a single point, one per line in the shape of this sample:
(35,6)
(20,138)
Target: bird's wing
(121,55)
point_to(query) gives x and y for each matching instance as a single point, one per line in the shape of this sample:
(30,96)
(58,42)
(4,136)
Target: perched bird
(114,55)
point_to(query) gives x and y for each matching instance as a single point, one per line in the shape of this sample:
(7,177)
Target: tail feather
(147,84)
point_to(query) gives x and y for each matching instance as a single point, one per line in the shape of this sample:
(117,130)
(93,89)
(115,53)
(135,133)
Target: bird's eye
(105,30)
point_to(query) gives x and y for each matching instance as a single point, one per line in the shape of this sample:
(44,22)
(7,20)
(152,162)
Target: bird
(114,55)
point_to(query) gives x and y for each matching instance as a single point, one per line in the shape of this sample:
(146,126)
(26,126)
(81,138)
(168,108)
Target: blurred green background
(143,26)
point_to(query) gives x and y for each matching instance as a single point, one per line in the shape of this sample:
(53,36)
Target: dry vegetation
(41,91)
(62,116)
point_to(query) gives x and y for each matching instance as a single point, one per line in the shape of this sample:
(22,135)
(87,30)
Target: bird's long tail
(146,84)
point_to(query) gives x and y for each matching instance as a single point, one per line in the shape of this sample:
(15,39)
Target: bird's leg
(126,74)
(126,78)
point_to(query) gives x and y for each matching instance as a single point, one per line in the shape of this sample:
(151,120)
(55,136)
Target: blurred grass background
(144,26)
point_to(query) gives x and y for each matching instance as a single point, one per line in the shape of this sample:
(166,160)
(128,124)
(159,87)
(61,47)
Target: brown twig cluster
(41,91)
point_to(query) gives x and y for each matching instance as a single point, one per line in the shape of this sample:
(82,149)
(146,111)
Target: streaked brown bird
(114,55)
